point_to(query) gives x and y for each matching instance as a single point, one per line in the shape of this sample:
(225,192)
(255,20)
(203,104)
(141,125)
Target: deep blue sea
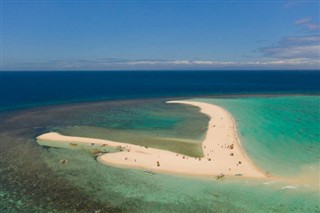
(23,89)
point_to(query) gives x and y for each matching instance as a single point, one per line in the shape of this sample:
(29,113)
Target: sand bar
(221,146)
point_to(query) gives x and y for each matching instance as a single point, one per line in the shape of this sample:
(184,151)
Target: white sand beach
(223,153)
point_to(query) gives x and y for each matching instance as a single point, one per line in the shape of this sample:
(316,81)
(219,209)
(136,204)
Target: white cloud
(303,21)
(144,64)
(293,52)
(308,24)
(301,39)
(294,47)
(313,26)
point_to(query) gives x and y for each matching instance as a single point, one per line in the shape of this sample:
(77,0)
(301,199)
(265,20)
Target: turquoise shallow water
(281,134)
(134,191)
(36,181)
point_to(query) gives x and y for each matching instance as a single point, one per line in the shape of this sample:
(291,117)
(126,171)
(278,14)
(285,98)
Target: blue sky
(134,35)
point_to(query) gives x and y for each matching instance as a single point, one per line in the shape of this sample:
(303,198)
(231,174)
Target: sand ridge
(223,153)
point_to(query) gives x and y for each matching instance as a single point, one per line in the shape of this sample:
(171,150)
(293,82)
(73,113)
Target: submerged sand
(222,150)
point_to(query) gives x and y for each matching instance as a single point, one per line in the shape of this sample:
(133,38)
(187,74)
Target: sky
(160,35)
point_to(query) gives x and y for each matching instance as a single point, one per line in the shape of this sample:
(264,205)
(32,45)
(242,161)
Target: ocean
(22,89)
(277,115)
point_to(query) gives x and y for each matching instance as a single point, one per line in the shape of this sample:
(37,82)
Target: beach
(223,154)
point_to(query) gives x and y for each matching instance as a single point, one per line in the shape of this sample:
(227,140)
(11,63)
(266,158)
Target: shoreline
(222,150)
